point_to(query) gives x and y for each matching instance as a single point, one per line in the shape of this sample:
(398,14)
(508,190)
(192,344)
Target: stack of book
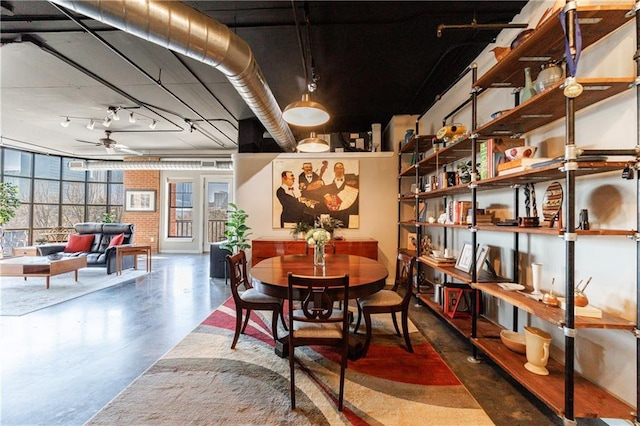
(519,165)
(491,155)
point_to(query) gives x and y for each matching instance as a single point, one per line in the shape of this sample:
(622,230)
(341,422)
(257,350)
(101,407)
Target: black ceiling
(374,59)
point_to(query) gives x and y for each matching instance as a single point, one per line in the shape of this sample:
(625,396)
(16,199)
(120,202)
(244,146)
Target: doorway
(217,195)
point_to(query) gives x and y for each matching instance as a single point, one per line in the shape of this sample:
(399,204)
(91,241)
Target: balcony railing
(215,229)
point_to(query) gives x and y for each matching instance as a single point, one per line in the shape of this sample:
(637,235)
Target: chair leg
(367,322)
(355,330)
(274,326)
(343,367)
(292,375)
(405,330)
(246,321)
(238,325)
(395,323)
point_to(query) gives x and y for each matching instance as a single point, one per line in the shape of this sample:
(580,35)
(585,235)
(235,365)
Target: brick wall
(147,223)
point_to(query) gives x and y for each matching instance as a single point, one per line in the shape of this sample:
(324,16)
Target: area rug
(20,297)
(202,381)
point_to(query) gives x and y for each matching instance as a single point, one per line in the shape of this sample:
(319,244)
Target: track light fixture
(106,122)
(91,125)
(132,119)
(65,122)
(153,125)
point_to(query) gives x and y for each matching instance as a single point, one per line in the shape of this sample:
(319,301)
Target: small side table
(134,251)
(25,251)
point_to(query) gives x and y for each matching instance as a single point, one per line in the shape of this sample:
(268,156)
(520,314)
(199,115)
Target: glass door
(217,194)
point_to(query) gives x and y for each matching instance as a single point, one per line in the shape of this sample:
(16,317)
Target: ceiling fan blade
(89,142)
(111,150)
(122,148)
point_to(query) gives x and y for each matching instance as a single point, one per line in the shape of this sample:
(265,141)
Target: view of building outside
(53,196)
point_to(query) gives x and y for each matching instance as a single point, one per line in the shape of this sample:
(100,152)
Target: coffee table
(40,266)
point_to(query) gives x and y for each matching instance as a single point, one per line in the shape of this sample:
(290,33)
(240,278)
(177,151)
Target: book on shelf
(582,311)
(519,165)
(412,239)
(491,154)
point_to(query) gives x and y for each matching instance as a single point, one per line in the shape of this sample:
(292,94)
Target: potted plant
(328,223)
(9,202)
(108,218)
(300,228)
(236,230)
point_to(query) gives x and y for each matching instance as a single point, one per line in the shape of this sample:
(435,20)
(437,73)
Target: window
(180,209)
(53,195)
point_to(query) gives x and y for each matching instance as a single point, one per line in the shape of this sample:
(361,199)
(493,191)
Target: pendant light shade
(313,144)
(305,113)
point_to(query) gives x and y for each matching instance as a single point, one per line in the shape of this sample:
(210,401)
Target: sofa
(98,250)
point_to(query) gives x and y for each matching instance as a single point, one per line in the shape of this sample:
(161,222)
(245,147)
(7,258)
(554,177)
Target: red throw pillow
(117,240)
(79,243)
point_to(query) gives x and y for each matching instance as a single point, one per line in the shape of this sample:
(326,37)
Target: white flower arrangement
(317,237)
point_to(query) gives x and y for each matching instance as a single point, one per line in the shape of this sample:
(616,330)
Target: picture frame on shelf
(465,258)
(481,255)
(140,201)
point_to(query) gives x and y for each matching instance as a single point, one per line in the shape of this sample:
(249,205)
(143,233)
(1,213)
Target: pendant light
(313,144)
(306,113)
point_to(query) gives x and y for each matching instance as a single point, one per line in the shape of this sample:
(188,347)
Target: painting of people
(305,188)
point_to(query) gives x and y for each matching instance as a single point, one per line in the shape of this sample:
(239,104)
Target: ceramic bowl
(514,341)
(519,152)
(54,256)
(438,253)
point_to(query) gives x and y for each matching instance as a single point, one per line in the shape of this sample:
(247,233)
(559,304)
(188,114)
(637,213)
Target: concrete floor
(62,364)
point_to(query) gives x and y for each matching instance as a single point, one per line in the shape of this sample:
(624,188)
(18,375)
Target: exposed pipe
(475,26)
(180,28)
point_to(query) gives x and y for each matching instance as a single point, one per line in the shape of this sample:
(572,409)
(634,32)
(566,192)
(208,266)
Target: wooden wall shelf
(548,41)
(589,399)
(554,316)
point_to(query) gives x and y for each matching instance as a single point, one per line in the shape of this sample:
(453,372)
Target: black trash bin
(217,261)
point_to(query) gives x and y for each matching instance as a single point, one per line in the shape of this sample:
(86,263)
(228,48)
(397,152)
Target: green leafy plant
(236,230)
(9,201)
(328,223)
(108,218)
(301,227)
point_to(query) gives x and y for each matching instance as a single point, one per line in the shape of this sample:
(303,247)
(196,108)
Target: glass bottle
(407,136)
(527,91)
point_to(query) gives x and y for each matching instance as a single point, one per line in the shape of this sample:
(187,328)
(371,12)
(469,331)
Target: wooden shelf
(547,41)
(546,173)
(589,399)
(424,144)
(555,316)
(549,106)
(462,325)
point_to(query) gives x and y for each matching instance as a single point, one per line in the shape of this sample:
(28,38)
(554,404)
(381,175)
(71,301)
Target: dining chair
(314,319)
(250,299)
(390,301)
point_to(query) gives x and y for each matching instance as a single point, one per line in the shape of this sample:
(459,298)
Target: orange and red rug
(203,381)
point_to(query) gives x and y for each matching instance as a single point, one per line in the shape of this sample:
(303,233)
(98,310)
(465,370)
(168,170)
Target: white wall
(607,357)
(378,197)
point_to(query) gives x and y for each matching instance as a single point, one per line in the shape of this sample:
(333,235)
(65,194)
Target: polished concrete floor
(62,364)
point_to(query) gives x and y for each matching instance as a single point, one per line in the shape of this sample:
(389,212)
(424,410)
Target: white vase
(318,255)
(537,343)
(536,272)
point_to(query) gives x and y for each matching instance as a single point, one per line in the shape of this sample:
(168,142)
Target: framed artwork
(305,188)
(465,258)
(481,256)
(140,201)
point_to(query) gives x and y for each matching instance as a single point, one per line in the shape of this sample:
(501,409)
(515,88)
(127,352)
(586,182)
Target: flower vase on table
(318,238)
(318,255)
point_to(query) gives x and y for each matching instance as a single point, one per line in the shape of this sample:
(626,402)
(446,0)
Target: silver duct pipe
(180,28)
(150,165)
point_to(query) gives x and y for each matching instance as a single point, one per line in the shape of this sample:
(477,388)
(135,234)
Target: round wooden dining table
(366,276)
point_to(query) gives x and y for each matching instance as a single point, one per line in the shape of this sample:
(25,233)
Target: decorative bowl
(54,256)
(513,341)
(519,152)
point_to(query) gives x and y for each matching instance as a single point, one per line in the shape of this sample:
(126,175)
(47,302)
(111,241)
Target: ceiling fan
(111,146)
